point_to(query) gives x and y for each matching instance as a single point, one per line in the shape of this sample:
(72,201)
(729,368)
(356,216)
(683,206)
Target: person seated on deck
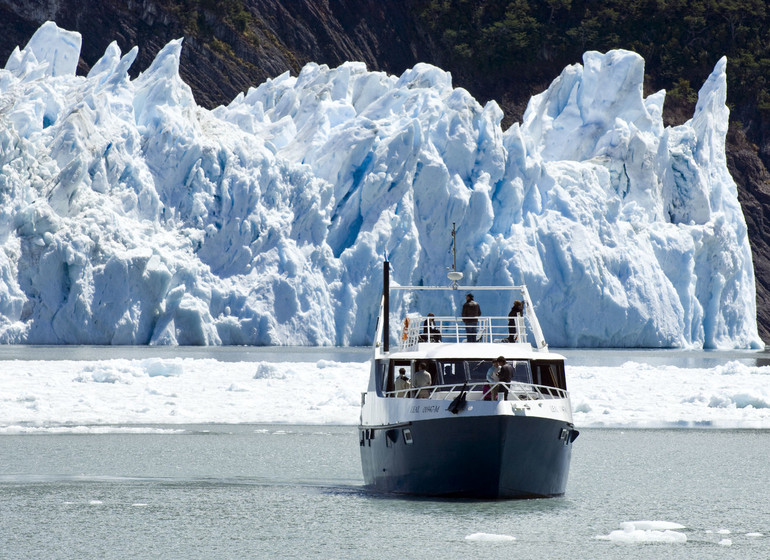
(402,384)
(421,378)
(430,332)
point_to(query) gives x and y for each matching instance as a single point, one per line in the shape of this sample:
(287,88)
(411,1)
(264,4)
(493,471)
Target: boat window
(449,373)
(456,372)
(385,378)
(477,369)
(452,372)
(550,374)
(521,372)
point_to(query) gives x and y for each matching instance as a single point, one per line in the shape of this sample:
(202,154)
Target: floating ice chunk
(102,375)
(322,364)
(88,430)
(651,525)
(330,394)
(266,370)
(489,537)
(646,532)
(638,536)
(726,542)
(157,367)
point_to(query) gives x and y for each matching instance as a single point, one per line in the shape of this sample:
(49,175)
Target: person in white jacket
(421,378)
(493,379)
(402,384)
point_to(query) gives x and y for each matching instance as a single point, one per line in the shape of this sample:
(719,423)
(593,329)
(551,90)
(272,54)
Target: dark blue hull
(487,457)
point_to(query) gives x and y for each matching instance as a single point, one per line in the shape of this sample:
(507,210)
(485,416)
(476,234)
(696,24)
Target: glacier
(130,215)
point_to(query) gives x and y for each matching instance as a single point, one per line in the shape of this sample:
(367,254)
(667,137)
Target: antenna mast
(453,275)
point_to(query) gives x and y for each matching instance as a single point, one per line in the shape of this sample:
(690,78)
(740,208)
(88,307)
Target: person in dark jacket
(505,375)
(430,332)
(516,311)
(471,310)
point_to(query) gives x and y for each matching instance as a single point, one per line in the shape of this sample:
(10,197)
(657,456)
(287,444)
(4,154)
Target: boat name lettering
(415,409)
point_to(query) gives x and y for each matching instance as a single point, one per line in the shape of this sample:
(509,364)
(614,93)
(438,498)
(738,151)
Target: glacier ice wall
(129,215)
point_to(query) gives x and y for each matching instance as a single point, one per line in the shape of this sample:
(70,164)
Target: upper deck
(458,352)
(450,335)
(465,350)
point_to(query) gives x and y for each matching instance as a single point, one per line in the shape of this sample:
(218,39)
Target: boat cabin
(457,352)
(448,373)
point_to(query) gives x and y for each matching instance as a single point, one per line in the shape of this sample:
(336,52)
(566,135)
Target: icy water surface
(281,491)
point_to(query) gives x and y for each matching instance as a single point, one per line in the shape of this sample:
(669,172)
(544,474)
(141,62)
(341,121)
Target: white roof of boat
(469,350)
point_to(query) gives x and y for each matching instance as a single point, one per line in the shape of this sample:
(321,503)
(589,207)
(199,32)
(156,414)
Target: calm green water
(221,492)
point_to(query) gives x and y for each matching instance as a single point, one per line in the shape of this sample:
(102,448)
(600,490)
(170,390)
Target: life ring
(405,329)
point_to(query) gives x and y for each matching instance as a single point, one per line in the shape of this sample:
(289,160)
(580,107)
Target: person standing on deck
(471,310)
(402,384)
(421,378)
(492,381)
(505,375)
(516,311)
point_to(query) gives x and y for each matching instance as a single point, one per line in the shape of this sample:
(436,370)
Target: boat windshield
(459,371)
(549,373)
(474,371)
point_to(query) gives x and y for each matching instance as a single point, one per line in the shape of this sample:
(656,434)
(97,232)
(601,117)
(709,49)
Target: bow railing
(481,390)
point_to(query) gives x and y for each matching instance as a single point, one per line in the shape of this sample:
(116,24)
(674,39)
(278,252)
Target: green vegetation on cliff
(680,40)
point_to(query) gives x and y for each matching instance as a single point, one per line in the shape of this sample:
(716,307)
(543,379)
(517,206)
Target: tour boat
(462,435)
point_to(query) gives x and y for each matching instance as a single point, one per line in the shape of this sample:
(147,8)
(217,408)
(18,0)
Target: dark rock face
(225,55)
(230,46)
(753,182)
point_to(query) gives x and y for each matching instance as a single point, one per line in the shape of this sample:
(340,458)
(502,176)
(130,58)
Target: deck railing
(479,390)
(422,329)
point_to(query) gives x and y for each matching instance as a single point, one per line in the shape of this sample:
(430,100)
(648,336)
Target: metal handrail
(523,391)
(529,311)
(454,329)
